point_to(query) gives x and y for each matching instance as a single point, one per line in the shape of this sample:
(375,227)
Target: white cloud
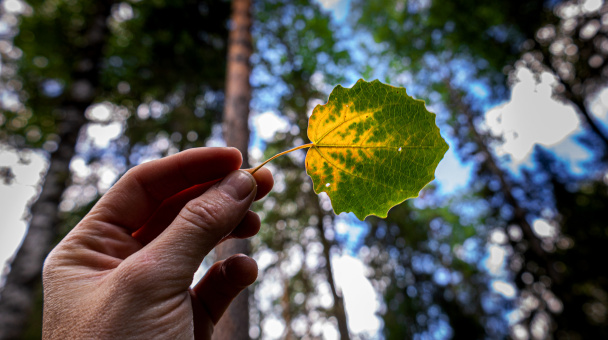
(14,199)
(359,296)
(268,124)
(531,117)
(102,134)
(339,8)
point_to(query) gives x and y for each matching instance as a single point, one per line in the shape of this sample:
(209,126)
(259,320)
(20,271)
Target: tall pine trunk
(235,322)
(18,294)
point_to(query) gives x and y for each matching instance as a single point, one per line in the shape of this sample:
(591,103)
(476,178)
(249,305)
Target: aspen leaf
(373,147)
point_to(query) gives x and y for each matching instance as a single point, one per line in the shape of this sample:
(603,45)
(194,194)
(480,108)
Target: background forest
(510,240)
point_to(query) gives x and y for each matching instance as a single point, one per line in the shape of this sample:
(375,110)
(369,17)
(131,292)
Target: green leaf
(373,147)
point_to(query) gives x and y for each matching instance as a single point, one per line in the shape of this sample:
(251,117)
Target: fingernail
(239,184)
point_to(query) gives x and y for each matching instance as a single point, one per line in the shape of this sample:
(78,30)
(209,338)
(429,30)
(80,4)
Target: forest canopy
(508,241)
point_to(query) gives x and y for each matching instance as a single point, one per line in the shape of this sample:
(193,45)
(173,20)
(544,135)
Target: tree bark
(520,214)
(235,322)
(579,103)
(18,293)
(285,305)
(238,89)
(339,310)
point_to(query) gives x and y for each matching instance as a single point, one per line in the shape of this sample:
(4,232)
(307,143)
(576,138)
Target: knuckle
(137,275)
(130,175)
(48,267)
(204,214)
(57,259)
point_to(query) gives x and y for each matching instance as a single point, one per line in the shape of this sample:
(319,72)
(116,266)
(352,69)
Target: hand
(125,270)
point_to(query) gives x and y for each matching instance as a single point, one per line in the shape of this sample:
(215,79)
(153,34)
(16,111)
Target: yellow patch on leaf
(373,146)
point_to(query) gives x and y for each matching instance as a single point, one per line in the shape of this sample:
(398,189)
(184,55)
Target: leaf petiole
(305,146)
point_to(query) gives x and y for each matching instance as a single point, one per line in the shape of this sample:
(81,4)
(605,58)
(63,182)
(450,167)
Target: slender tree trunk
(285,305)
(578,101)
(520,214)
(17,295)
(338,310)
(235,322)
(238,89)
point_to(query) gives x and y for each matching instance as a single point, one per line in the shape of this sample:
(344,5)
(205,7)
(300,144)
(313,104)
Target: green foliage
(171,54)
(431,285)
(167,64)
(297,44)
(578,300)
(447,45)
(53,43)
(157,67)
(170,45)
(487,33)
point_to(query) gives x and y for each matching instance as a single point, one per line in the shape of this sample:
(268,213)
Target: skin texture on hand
(124,271)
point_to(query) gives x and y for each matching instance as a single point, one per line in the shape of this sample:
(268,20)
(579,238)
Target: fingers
(199,227)
(171,207)
(222,283)
(167,212)
(265,182)
(135,197)
(249,226)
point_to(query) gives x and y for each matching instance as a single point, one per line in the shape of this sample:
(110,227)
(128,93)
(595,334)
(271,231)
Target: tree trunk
(578,101)
(338,310)
(17,295)
(235,322)
(285,305)
(520,214)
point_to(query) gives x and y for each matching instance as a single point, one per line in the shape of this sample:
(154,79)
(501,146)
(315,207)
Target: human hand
(125,270)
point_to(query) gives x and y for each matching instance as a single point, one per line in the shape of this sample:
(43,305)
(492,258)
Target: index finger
(135,197)
(170,208)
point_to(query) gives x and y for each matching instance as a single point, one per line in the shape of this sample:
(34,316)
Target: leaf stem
(253,171)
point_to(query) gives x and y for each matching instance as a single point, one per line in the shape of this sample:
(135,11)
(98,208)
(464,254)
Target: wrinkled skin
(125,270)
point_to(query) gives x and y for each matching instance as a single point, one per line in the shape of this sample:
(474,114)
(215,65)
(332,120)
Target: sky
(530,117)
(533,117)
(15,197)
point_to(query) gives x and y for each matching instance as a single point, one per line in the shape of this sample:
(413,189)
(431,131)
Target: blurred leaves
(540,235)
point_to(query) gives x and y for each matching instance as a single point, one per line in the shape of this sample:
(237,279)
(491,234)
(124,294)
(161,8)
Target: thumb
(199,227)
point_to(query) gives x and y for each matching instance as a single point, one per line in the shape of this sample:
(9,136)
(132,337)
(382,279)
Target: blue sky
(529,117)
